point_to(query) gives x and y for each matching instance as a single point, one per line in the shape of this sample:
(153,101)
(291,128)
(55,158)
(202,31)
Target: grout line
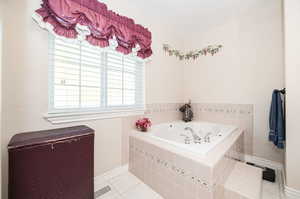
(112,184)
(119,193)
(131,187)
(125,172)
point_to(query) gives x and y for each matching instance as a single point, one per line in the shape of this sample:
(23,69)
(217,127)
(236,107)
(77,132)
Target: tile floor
(124,185)
(273,190)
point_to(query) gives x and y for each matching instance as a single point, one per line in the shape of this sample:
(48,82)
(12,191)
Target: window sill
(60,118)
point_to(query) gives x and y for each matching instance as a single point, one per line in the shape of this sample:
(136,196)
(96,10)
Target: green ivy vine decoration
(211,49)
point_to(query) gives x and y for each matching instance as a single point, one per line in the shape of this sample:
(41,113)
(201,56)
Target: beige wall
(292,69)
(247,69)
(25,81)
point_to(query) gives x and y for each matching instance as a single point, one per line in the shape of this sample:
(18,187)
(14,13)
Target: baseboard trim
(112,173)
(263,162)
(291,193)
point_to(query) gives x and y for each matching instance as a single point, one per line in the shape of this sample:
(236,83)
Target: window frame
(64,115)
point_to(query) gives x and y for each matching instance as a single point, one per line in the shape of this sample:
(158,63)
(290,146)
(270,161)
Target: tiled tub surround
(179,174)
(240,115)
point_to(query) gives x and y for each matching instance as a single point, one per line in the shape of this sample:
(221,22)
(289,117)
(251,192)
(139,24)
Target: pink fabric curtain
(102,23)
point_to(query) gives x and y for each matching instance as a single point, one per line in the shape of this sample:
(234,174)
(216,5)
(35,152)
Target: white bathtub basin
(175,133)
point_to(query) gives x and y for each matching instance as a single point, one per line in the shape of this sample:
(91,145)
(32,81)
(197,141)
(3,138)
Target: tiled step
(245,182)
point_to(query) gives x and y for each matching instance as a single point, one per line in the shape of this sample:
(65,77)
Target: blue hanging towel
(276,120)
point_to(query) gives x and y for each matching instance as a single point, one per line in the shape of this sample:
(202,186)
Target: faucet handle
(197,141)
(207,139)
(187,139)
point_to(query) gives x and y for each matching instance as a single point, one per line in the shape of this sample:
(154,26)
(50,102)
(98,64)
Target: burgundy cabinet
(52,164)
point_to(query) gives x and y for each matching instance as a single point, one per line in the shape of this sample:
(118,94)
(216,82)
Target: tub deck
(175,172)
(209,159)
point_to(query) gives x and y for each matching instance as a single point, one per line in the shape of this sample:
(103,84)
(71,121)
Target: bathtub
(179,134)
(174,169)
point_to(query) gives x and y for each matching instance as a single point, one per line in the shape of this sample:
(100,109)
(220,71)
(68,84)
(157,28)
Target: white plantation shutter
(88,78)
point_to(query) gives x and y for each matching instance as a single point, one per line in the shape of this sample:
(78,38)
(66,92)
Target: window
(85,78)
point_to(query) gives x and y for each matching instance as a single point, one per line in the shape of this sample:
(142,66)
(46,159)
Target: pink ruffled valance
(102,24)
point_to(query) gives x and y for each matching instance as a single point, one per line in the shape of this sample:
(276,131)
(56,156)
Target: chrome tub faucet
(197,138)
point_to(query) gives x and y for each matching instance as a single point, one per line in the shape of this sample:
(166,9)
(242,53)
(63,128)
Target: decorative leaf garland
(211,49)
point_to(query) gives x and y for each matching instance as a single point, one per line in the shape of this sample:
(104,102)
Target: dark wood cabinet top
(48,136)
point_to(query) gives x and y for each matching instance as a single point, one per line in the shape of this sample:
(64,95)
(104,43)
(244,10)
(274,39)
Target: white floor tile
(141,191)
(271,190)
(124,182)
(125,185)
(111,196)
(101,183)
(115,172)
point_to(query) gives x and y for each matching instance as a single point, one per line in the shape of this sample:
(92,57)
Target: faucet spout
(196,138)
